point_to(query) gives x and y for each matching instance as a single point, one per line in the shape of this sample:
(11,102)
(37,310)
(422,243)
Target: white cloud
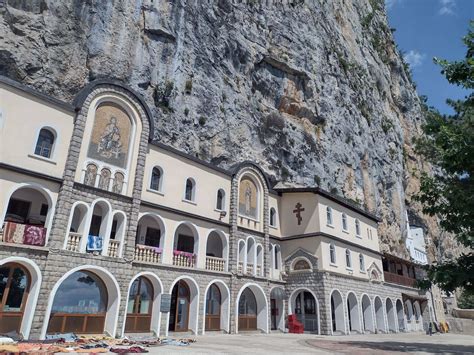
(391,3)
(447,7)
(414,58)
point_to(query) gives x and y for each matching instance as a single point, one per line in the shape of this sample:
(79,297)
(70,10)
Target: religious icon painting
(248,195)
(110,138)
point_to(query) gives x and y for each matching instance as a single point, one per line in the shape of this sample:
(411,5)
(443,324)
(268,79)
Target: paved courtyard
(313,344)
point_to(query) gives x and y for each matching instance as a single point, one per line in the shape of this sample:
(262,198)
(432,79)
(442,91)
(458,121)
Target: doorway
(179,311)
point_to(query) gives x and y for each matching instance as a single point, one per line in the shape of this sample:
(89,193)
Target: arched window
(79,304)
(44,144)
(118,183)
(91,175)
(301,265)
(247,303)
(329,216)
(156,177)
(213,300)
(361,262)
(332,253)
(14,285)
(189,190)
(348,258)
(344,222)
(139,307)
(104,180)
(220,200)
(272,217)
(357,223)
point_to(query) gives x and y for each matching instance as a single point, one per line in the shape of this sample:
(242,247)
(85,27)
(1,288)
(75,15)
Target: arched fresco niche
(248,198)
(110,139)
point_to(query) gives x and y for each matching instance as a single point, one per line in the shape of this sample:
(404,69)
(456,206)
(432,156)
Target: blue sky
(427,29)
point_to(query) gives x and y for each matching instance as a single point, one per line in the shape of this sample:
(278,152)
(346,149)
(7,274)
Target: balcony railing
(20,233)
(148,254)
(259,270)
(215,264)
(114,246)
(73,241)
(399,279)
(240,267)
(183,259)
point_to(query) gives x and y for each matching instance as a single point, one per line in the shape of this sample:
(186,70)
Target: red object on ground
(294,326)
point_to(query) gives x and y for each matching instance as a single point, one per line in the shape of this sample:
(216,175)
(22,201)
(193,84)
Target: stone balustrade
(215,264)
(259,270)
(240,267)
(147,254)
(74,241)
(114,246)
(249,269)
(183,259)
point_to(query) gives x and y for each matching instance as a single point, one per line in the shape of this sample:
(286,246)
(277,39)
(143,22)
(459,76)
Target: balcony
(215,264)
(148,254)
(114,246)
(184,259)
(21,233)
(240,267)
(399,279)
(74,242)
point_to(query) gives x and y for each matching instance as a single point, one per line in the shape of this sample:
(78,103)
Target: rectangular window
(44,209)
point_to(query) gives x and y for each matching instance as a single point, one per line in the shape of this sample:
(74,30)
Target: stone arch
(45,192)
(193,306)
(121,88)
(217,243)
(391,319)
(120,234)
(225,305)
(259,258)
(337,317)
(400,315)
(298,259)
(368,323)
(418,315)
(77,225)
(157,292)
(379,315)
(314,320)
(251,251)
(195,234)
(156,221)
(353,313)
(277,298)
(34,289)
(113,293)
(105,225)
(262,306)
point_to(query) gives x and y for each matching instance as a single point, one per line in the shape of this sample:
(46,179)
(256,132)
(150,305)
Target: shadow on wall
(390,347)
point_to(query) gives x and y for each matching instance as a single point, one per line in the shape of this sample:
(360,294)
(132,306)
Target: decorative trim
(33,92)
(30,173)
(322,234)
(182,213)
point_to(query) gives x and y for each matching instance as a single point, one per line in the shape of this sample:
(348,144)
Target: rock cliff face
(313,91)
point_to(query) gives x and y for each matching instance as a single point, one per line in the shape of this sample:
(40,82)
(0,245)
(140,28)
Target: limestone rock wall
(314,91)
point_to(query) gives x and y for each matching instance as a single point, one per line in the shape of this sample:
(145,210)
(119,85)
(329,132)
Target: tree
(448,192)
(466,300)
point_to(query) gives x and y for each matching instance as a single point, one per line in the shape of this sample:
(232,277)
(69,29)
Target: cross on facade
(298,211)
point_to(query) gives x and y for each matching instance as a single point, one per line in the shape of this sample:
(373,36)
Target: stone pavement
(313,344)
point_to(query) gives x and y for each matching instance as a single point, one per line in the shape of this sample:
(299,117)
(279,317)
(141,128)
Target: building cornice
(329,236)
(37,94)
(346,203)
(32,173)
(183,213)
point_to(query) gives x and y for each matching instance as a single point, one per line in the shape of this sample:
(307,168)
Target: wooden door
(14,286)
(140,306)
(213,308)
